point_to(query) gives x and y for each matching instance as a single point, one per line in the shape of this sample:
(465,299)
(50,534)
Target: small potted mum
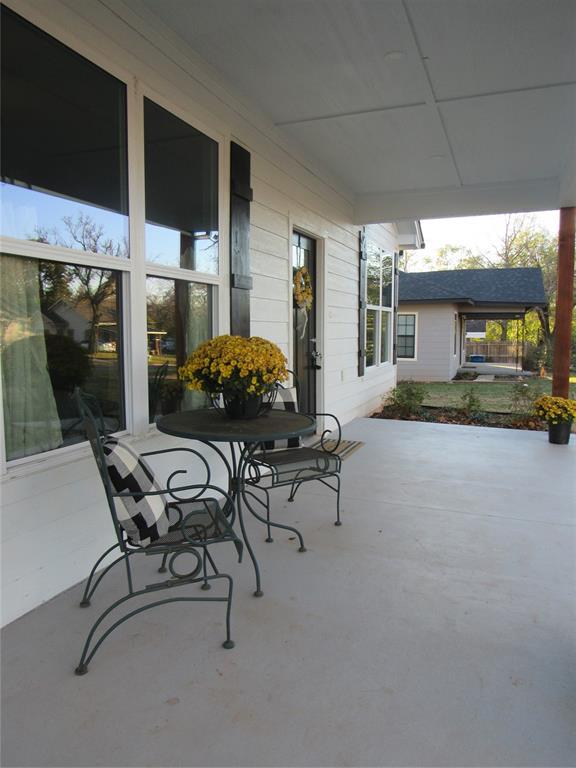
(559,412)
(239,373)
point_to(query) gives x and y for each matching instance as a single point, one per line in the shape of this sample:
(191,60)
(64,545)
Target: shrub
(68,363)
(471,403)
(407,397)
(524,395)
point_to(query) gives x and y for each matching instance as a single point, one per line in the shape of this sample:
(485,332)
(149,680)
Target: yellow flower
(235,364)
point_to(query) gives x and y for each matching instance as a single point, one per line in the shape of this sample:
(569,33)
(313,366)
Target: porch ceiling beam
(472,200)
(564,304)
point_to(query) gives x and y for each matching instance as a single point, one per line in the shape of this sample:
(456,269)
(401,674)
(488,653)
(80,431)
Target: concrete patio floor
(434,628)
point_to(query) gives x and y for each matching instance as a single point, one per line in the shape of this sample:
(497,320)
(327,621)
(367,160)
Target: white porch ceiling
(423,108)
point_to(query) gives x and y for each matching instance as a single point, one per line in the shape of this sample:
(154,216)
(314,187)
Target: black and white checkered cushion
(286,400)
(144,518)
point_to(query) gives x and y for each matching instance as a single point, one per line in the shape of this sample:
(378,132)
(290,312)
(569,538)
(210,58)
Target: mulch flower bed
(457,416)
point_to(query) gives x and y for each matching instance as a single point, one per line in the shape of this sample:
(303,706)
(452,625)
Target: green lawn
(494,396)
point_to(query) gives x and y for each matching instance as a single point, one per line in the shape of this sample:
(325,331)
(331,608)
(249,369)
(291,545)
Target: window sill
(46,462)
(375,370)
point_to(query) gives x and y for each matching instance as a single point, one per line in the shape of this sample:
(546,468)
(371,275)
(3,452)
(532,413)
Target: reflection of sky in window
(163,247)
(25,211)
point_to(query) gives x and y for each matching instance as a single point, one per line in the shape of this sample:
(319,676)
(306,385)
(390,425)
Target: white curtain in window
(197,328)
(31,422)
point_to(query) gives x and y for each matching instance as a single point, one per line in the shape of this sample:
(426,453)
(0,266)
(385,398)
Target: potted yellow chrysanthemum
(559,412)
(242,372)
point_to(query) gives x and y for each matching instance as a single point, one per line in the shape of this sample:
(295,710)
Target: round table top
(212,425)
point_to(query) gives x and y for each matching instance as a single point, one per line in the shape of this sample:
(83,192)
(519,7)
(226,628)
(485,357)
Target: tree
(94,284)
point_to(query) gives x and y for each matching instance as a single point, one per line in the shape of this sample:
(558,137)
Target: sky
(479,233)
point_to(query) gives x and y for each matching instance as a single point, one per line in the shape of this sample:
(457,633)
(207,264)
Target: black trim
(362,303)
(395,307)
(240,278)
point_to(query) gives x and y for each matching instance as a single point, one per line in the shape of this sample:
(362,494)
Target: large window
(379,281)
(64,145)
(406,341)
(181,233)
(59,329)
(69,274)
(181,193)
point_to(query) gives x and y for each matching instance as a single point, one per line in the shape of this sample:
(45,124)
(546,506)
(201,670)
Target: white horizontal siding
(435,340)
(55,521)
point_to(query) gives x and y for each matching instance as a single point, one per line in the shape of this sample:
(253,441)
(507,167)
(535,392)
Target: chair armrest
(327,432)
(200,487)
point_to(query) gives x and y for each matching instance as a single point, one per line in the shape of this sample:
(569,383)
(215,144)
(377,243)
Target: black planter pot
(243,408)
(559,434)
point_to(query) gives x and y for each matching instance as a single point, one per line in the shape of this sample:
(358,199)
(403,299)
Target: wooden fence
(496,351)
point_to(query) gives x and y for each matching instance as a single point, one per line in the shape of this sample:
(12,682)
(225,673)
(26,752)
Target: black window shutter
(395,320)
(240,278)
(362,305)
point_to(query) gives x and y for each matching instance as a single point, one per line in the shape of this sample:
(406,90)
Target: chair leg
(269,538)
(270,523)
(294,489)
(206,585)
(337,492)
(88,596)
(85,602)
(338,521)
(228,643)
(89,652)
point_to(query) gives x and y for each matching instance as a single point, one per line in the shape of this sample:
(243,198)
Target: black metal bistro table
(210,426)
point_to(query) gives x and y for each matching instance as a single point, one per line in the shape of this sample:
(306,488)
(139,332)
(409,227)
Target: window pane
(179,319)
(373,275)
(387,274)
(405,346)
(406,324)
(385,337)
(64,172)
(406,336)
(181,192)
(60,328)
(370,336)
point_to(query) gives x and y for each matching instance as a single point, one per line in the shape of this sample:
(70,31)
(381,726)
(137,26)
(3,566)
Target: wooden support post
(564,298)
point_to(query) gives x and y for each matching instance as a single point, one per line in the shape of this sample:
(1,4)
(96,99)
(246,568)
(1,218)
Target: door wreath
(303,296)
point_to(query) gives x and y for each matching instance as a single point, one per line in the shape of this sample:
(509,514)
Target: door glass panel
(64,156)
(60,328)
(181,193)
(304,324)
(179,319)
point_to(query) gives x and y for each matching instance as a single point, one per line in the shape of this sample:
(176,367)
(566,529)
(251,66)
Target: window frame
(134,269)
(456,326)
(379,309)
(400,357)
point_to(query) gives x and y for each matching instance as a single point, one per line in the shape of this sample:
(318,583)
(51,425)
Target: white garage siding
(54,518)
(435,360)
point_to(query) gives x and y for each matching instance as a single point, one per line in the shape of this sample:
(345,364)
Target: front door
(306,354)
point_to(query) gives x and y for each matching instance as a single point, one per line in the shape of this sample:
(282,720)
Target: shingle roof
(521,285)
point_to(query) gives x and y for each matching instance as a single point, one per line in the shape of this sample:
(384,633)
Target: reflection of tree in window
(59,329)
(370,336)
(179,319)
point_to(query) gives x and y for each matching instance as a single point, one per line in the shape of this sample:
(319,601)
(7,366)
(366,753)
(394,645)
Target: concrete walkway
(434,628)
(494,369)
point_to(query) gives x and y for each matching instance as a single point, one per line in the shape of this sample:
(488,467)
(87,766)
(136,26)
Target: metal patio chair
(151,521)
(155,388)
(291,464)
